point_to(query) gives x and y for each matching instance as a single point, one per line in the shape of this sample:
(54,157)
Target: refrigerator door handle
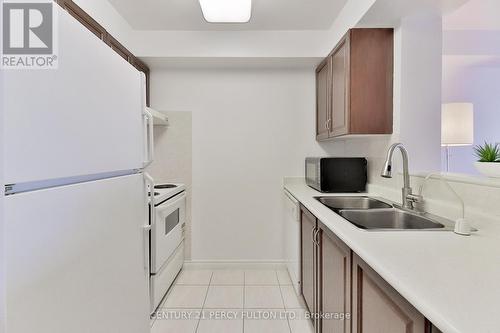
(148,137)
(150,203)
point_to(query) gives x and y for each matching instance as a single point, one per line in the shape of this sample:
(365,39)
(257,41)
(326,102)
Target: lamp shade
(457,124)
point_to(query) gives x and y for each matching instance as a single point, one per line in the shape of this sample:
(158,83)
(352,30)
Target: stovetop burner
(161,186)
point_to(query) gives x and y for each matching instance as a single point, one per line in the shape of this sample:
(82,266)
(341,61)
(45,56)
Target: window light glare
(226,11)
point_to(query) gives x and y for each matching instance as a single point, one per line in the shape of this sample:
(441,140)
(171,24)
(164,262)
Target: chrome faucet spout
(387,173)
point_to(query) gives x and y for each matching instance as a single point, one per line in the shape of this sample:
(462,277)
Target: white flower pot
(489,169)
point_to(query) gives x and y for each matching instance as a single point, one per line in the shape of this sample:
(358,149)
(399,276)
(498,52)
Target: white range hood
(159,118)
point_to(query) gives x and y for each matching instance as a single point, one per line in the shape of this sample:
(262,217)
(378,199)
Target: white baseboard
(234,264)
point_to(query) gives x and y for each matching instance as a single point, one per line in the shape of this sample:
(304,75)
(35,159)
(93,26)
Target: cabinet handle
(315,237)
(328,124)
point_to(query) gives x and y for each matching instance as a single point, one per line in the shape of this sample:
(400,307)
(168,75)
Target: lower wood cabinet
(343,293)
(326,276)
(378,308)
(334,283)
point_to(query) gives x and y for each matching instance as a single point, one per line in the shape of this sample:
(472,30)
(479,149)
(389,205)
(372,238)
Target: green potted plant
(488,159)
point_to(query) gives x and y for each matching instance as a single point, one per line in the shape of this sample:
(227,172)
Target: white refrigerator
(76,141)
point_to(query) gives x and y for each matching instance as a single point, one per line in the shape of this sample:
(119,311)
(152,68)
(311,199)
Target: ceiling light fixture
(226,11)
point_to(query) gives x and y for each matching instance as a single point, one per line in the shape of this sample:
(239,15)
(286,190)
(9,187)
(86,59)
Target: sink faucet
(408,198)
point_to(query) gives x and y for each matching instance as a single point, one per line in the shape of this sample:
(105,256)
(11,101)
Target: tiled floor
(232,301)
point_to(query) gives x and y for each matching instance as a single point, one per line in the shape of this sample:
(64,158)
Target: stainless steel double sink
(379,214)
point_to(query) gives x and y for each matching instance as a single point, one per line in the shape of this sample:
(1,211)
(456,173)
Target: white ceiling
(266,15)
(471,35)
(390,12)
(474,15)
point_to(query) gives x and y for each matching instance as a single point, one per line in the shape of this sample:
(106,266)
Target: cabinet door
(371,68)
(340,117)
(335,284)
(378,308)
(323,98)
(308,258)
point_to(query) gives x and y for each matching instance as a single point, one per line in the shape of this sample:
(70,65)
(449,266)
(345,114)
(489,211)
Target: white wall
(420,90)
(250,128)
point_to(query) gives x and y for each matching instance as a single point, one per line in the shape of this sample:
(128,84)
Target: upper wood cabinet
(354,86)
(339,115)
(323,106)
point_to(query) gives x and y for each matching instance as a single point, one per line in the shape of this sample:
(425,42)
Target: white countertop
(454,281)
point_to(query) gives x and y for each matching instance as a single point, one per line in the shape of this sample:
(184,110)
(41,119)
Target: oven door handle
(174,201)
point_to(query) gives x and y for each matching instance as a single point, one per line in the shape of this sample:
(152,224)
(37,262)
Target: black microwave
(337,174)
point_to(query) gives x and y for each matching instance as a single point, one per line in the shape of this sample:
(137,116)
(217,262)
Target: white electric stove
(166,238)
(166,191)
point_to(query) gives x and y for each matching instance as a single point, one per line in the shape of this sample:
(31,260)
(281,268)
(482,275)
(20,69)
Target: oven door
(166,230)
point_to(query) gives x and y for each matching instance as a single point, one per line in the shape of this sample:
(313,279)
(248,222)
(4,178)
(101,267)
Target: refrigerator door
(76,258)
(83,118)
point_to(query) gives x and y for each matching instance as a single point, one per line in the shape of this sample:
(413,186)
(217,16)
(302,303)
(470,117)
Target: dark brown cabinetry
(323,107)
(378,308)
(334,283)
(344,292)
(326,276)
(355,86)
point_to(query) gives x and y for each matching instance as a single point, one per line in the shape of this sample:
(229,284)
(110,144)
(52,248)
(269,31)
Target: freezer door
(75,258)
(83,118)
